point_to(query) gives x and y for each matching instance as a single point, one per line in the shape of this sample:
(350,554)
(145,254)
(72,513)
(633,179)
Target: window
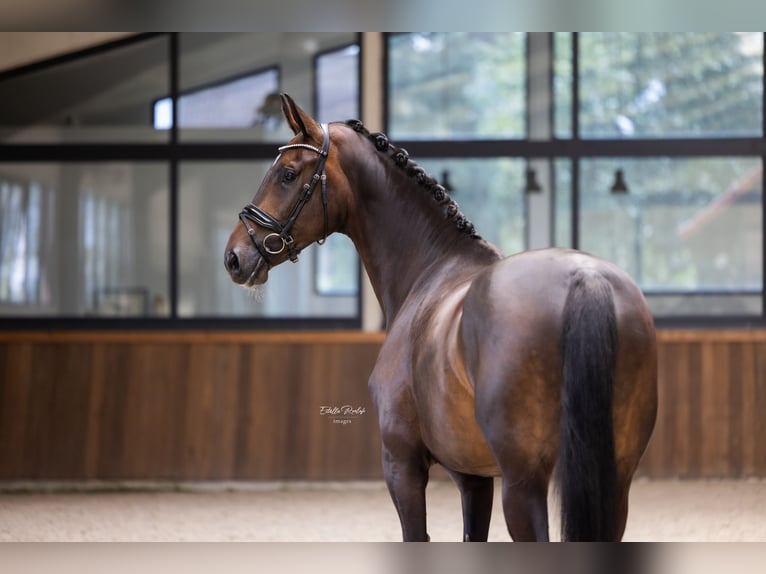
(228,104)
(651,153)
(78,237)
(337,267)
(337,84)
(211,195)
(648,149)
(468,85)
(670,85)
(314,69)
(25,241)
(688,230)
(480,185)
(679,117)
(444,89)
(104,95)
(135,231)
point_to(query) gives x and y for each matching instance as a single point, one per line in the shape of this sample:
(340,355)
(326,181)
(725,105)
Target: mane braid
(402,160)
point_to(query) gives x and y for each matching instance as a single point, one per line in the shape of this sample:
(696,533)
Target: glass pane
(671,84)
(226,104)
(337,267)
(337,95)
(686,226)
(211,196)
(562,84)
(107,97)
(562,202)
(251,68)
(490,194)
(79,239)
(337,90)
(467,85)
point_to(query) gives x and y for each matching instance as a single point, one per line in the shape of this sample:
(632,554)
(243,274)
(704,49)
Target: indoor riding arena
(175,367)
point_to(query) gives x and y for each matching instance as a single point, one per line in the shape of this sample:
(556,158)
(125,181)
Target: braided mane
(402,160)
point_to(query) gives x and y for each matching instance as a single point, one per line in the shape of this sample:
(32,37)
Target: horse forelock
(402,161)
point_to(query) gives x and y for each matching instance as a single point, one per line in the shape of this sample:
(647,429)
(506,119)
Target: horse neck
(404,239)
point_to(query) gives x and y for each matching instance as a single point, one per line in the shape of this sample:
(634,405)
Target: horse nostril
(231,261)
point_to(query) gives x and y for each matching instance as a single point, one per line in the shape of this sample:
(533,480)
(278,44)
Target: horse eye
(289,175)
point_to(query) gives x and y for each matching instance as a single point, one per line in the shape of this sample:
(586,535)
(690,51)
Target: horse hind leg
(523,442)
(476,494)
(525,506)
(515,420)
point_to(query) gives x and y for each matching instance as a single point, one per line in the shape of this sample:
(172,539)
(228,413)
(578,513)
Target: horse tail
(587,469)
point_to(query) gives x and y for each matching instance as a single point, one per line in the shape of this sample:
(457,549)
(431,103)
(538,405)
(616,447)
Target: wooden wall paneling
(144,443)
(263,440)
(747,401)
(51,423)
(310,437)
(192,450)
(213,436)
(757,433)
(354,373)
(671,382)
(184,375)
(714,413)
(113,424)
(652,458)
(96,393)
(302,382)
(692,434)
(319,370)
(36,439)
(15,390)
(736,376)
(677,410)
(199,436)
(345,451)
(152,410)
(243,406)
(66,419)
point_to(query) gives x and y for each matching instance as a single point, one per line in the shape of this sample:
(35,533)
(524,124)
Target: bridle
(281,231)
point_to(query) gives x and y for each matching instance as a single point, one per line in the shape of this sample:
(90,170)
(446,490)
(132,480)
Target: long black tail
(587,468)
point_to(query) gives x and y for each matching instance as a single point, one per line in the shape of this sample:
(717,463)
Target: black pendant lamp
(532,185)
(619,185)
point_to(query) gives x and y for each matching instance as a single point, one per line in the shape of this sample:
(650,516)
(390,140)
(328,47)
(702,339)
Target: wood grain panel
(246,406)
(757,434)
(15,383)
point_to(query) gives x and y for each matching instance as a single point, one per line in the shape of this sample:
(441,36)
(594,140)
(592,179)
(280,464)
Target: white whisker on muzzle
(255,293)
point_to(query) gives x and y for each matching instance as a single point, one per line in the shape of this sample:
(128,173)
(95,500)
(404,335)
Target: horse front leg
(406,474)
(476,494)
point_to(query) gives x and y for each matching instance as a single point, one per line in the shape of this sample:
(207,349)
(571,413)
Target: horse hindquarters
(587,467)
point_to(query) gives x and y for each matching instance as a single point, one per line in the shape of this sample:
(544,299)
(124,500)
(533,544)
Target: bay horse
(491,366)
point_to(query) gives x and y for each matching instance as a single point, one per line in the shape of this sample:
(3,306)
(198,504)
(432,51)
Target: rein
(280,239)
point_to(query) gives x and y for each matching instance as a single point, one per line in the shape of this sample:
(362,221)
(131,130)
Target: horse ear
(300,121)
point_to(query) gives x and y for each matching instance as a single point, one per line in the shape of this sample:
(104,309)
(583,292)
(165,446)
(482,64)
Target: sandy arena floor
(660,511)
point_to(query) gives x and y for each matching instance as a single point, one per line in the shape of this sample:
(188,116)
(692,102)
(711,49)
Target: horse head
(292,207)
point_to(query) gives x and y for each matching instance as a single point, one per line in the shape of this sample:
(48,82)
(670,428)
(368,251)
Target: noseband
(280,239)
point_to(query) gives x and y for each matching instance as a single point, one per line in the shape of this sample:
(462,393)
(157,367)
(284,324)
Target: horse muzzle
(245,267)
